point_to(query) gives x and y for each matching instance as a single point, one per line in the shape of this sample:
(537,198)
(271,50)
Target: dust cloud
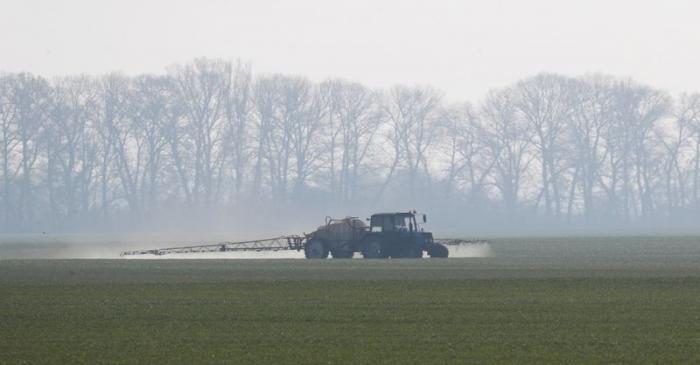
(471,250)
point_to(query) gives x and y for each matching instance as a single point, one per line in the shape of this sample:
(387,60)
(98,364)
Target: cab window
(388,223)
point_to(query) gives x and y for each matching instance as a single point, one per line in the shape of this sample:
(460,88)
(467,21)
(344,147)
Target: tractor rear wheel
(372,250)
(438,250)
(315,249)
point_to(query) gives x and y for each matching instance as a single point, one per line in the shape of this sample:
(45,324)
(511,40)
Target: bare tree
(113,100)
(413,115)
(688,119)
(468,167)
(72,148)
(353,121)
(149,116)
(508,140)
(592,116)
(303,109)
(267,101)
(545,101)
(30,97)
(237,111)
(637,110)
(10,144)
(203,88)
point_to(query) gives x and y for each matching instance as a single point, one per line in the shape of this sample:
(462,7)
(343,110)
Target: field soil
(537,300)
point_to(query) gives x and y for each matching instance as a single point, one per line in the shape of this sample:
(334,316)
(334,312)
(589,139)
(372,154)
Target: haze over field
(254,119)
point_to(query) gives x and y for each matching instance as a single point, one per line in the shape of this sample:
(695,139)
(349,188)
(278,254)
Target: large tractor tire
(372,250)
(414,252)
(438,251)
(342,254)
(315,249)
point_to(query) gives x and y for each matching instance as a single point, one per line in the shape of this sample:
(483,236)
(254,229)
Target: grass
(627,301)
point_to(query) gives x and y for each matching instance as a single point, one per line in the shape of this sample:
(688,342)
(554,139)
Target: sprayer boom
(388,235)
(459,241)
(292,242)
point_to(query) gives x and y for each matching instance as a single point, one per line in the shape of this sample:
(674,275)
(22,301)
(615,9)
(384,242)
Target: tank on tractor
(395,235)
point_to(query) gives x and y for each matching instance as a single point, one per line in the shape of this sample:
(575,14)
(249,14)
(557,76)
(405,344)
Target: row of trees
(208,141)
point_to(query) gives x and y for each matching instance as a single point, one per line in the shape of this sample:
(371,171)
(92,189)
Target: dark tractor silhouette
(389,235)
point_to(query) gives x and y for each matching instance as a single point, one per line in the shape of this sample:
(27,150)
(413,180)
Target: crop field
(535,300)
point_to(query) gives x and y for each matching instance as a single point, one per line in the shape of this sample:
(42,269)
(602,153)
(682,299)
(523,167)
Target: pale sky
(464,48)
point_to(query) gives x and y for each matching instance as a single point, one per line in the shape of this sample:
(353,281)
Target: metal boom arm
(459,241)
(268,244)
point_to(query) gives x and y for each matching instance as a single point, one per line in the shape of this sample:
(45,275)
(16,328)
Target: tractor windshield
(394,223)
(406,223)
(402,223)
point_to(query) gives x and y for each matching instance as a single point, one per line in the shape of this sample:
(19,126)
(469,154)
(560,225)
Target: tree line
(211,141)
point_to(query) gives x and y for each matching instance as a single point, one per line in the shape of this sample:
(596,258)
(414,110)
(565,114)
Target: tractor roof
(396,213)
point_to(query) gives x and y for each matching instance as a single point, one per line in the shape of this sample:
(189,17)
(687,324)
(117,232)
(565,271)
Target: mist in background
(494,118)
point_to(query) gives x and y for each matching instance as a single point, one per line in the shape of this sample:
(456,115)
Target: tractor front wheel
(315,249)
(438,251)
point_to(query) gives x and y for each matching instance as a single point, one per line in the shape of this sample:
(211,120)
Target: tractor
(389,235)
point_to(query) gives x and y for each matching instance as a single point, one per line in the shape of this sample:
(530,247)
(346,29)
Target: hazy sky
(462,47)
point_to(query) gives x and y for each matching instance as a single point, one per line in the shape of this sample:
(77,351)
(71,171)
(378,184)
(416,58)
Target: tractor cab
(395,222)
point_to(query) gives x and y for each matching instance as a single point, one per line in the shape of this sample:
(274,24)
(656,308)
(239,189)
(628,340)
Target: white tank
(345,229)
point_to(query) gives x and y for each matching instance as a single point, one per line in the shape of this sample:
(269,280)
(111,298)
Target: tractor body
(389,235)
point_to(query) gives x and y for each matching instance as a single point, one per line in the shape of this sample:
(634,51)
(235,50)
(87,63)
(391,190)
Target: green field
(582,300)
